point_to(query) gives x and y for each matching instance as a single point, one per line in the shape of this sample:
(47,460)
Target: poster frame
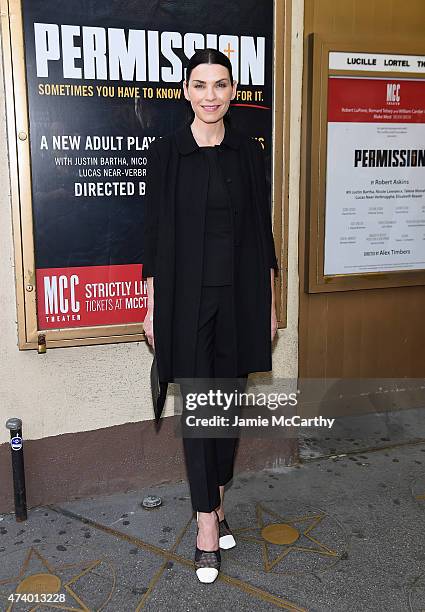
(17,120)
(319,72)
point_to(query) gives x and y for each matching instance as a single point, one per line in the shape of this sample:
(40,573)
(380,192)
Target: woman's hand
(148,322)
(273,316)
(148,328)
(273,321)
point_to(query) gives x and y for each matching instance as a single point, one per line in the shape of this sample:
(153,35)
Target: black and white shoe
(207,562)
(226,539)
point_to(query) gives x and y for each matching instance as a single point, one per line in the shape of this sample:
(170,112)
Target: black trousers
(209,461)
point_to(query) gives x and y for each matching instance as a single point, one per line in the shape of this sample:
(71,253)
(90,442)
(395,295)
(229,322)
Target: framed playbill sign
(367,219)
(89,87)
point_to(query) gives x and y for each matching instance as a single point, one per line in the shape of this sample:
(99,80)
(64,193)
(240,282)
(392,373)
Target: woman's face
(210,91)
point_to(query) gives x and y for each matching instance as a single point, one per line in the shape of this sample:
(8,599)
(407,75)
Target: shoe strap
(207,558)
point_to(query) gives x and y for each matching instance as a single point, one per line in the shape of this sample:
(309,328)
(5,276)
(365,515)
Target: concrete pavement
(340,533)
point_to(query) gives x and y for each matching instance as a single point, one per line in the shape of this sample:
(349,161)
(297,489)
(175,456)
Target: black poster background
(71,231)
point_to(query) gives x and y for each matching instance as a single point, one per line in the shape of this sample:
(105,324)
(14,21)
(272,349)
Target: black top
(217,267)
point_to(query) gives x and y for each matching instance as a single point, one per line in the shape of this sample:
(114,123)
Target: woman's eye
(198,86)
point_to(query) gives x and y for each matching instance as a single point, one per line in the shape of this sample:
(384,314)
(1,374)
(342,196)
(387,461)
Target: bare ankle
(220,512)
(207,538)
(206,515)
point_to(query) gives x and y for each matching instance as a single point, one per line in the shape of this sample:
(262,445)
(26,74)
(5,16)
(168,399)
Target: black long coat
(178,180)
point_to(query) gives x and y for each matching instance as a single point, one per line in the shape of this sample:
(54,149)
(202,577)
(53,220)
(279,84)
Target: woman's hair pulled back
(208,56)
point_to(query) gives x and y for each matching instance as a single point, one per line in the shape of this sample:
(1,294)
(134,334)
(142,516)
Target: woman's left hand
(273,313)
(273,321)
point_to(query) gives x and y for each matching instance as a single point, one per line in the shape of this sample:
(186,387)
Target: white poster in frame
(375,177)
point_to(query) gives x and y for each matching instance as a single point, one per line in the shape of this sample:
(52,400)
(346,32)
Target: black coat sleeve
(151,211)
(265,207)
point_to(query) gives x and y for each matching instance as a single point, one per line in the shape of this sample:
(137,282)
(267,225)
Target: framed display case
(87,89)
(366,193)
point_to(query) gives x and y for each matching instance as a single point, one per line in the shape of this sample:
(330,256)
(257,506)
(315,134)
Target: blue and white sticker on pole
(16,443)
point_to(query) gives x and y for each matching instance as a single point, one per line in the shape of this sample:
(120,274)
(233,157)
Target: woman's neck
(207,134)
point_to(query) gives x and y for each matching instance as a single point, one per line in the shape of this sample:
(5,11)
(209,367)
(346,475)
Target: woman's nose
(210,95)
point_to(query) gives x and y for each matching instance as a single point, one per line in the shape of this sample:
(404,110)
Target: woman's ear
(186,93)
(234,87)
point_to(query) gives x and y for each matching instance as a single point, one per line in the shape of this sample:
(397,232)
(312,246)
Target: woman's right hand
(148,328)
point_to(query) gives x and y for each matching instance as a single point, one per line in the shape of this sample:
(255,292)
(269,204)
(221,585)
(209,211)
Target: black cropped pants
(209,461)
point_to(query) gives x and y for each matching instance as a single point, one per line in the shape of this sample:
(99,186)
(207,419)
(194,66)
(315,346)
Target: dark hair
(208,56)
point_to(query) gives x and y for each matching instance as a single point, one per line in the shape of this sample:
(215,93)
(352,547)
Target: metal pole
(17,450)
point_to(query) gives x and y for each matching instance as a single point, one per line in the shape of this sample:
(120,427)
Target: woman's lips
(211,109)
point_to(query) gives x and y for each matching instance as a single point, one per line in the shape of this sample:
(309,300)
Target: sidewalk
(354,541)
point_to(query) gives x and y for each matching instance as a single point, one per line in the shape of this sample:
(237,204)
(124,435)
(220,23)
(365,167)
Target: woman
(210,263)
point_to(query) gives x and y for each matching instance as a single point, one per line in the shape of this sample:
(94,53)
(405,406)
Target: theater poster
(103,80)
(375,175)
